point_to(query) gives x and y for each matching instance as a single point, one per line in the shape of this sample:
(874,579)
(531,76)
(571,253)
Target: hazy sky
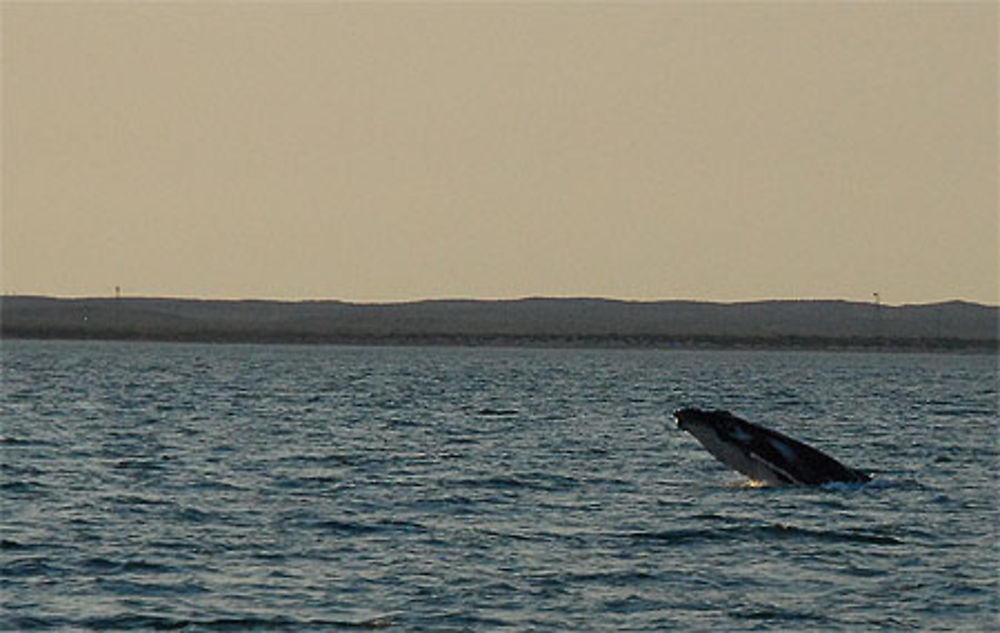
(382,152)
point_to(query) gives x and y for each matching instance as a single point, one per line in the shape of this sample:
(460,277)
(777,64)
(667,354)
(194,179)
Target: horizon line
(875,301)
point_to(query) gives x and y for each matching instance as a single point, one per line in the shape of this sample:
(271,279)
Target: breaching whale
(761,454)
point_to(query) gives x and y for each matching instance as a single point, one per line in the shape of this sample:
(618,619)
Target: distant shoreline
(543,342)
(539,322)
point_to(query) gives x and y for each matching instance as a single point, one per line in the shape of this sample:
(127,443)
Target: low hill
(525,321)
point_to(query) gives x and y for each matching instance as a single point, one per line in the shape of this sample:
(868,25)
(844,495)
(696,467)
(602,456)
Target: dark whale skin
(763,454)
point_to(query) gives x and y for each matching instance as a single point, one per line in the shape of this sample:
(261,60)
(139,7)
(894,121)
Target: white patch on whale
(783,448)
(740,435)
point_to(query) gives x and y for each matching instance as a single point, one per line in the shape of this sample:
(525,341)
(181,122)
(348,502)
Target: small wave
(780,530)
(772,531)
(137,500)
(521,481)
(133,622)
(877,483)
(8,440)
(347,528)
(844,486)
(461,439)
(318,480)
(30,567)
(334,459)
(140,464)
(960,412)
(105,566)
(35,623)
(130,587)
(215,485)
(22,487)
(679,536)
(100,565)
(774,613)
(618,578)
(497,413)
(353,528)
(396,422)
(194,515)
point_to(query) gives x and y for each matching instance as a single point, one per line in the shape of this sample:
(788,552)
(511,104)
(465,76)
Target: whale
(765,456)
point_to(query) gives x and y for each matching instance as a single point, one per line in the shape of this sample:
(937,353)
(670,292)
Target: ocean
(151,486)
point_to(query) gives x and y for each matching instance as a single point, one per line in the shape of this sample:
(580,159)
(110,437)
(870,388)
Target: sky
(382,152)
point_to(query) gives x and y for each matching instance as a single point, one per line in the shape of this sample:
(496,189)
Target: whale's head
(711,425)
(693,419)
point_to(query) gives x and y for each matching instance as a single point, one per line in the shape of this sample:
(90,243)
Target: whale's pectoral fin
(780,475)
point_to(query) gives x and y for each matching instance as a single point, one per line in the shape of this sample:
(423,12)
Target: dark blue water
(220,488)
